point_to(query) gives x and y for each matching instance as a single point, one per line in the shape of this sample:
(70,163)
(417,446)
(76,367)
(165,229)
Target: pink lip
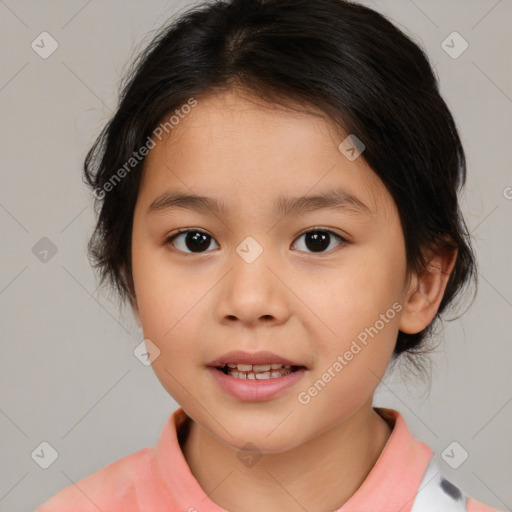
(261,357)
(255,390)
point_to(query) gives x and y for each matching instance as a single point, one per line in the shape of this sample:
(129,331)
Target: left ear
(426,292)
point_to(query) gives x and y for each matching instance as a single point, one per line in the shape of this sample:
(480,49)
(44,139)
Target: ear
(426,291)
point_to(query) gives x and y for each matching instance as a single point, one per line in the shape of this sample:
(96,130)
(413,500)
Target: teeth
(260,367)
(257,367)
(261,375)
(257,371)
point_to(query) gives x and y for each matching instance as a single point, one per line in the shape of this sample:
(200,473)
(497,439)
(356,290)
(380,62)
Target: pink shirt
(158,479)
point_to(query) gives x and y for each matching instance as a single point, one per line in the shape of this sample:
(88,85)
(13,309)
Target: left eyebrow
(337,199)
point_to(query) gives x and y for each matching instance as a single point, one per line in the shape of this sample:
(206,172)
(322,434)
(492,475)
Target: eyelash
(170,238)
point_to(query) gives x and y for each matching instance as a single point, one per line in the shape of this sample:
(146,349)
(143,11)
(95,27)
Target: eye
(195,240)
(317,240)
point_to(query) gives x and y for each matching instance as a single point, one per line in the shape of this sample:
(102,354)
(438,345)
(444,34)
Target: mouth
(257,371)
(256,382)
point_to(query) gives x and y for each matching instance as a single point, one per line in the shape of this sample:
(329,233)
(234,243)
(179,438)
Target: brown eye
(190,240)
(197,241)
(319,240)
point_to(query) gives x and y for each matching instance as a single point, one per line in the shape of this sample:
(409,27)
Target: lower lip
(255,390)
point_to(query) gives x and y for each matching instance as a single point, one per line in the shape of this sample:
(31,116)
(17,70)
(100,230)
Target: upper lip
(262,357)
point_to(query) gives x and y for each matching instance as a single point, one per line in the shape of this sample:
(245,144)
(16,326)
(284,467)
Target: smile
(257,371)
(260,382)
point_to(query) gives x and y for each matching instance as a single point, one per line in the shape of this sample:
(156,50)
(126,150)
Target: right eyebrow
(171,200)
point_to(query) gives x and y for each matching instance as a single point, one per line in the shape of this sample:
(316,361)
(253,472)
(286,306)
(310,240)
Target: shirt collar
(391,485)
(394,480)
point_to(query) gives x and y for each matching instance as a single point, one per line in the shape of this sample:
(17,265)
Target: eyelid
(345,239)
(168,238)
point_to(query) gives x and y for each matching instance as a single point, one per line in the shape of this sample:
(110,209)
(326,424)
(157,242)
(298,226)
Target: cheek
(165,297)
(354,357)
(358,292)
(169,320)
(361,306)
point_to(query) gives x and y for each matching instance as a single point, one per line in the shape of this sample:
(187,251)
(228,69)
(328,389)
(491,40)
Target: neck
(327,469)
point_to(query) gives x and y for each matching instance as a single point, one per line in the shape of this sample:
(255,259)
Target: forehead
(236,148)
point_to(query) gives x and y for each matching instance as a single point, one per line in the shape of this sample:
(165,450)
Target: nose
(252,292)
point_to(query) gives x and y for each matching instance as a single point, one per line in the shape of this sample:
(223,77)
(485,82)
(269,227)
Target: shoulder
(476,506)
(111,486)
(436,492)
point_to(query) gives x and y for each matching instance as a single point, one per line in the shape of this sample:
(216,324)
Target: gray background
(67,372)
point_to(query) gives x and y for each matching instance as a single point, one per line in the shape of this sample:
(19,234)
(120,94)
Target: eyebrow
(336,199)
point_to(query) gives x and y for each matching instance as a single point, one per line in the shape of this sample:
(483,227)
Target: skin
(303,305)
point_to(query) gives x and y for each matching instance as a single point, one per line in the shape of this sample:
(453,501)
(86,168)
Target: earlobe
(426,292)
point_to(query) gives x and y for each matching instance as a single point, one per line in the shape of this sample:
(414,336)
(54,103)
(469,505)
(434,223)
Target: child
(278,193)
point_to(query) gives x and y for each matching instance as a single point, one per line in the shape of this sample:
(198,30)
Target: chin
(265,436)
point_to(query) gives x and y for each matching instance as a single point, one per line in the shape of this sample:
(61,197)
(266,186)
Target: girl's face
(320,284)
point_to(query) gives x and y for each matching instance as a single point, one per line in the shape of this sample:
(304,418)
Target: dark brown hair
(335,56)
